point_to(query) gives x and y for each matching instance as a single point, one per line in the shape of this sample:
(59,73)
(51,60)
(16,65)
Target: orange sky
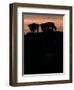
(33,18)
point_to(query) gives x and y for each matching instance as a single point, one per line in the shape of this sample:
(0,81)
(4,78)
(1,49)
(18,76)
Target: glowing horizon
(33,18)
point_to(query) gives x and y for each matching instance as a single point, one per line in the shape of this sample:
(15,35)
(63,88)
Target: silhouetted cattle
(48,27)
(33,27)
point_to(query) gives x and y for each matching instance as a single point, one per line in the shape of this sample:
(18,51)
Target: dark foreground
(43,53)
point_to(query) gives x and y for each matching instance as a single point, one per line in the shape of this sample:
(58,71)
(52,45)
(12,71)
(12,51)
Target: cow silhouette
(34,27)
(48,27)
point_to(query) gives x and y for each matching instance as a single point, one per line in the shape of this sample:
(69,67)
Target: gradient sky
(36,18)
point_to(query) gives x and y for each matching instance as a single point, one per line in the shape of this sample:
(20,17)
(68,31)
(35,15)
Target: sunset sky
(36,18)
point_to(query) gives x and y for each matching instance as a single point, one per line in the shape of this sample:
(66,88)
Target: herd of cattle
(45,27)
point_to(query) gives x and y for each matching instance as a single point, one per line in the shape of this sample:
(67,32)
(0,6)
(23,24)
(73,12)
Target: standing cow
(48,27)
(34,27)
